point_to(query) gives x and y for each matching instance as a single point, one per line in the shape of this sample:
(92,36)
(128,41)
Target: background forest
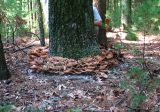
(139,15)
(51,61)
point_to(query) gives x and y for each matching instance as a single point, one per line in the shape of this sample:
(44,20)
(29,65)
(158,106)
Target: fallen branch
(32,34)
(120,101)
(135,109)
(19,49)
(22,49)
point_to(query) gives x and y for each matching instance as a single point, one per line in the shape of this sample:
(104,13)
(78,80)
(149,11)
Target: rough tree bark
(4,72)
(71,28)
(41,23)
(101,5)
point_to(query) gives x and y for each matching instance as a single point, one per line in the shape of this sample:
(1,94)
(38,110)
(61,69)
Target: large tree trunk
(4,72)
(41,23)
(126,13)
(101,5)
(71,28)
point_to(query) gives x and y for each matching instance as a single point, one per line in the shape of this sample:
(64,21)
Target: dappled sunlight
(133,50)
(152,42)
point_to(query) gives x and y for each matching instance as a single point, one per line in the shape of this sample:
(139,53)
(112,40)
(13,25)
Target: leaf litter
(34,89)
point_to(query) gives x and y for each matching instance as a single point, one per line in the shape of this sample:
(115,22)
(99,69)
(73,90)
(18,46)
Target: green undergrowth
(131,35)
(6,108)
(139,83)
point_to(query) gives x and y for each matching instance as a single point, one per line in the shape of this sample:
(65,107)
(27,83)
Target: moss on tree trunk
(71,28)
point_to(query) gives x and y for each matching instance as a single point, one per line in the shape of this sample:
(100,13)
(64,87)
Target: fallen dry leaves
(60,93)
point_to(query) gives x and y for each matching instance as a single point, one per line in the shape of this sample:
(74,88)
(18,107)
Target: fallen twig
(19,49)
(135,109)
(120,101)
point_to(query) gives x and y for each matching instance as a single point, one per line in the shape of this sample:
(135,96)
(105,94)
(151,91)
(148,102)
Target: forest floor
(29,91)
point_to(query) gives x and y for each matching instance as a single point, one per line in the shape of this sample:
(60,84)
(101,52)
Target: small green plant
(31,109)
(118,46)
(6,108)
(75,110)
(131,36)
(135,50)
(138,82)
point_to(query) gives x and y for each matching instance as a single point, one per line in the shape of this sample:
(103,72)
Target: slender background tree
(41,23)
(126,13)
(101,6)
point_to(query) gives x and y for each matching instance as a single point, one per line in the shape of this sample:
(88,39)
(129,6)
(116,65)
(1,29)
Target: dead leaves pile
(39,61)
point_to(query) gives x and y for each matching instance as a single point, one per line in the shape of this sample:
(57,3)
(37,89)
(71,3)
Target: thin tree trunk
(126,13)
(45,9)
(71,28)
(129,19)
(41,23)
(29,20)
(107,4)
(31,10)
(35,13)
(101,5)
(114,4)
